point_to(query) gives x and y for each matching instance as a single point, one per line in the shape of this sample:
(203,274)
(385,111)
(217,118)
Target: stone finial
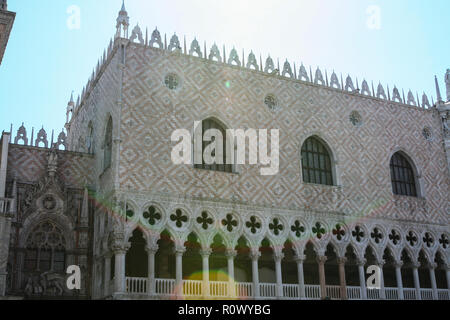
(137,34)
(215,54)
(156,38)
(61,141)
(287,70)
(425,101)
(251,62)
(234,57)
(411,100)
(41,137)
(365,88)
(21,135)
(3,5)
(396,95)
(174,44)
(123,22)
(447,84)
(318,79)
(270,67)
(438,90)
(195,48)
(303,74)
(334,81)
(349,84)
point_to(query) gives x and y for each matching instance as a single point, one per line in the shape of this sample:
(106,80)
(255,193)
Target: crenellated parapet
(41,141)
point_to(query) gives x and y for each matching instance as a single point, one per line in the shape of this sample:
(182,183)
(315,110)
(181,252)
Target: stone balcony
(139,288)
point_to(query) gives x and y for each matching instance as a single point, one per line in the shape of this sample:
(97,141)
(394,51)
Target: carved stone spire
(438,91)
(447,83)
(123,21)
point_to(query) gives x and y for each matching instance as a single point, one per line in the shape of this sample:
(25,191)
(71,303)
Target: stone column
(205,253)
(231,254)
(341,262)
(447,273)
(301,277)
(278,256)
(323,287)
(432,267)
(415,267)
(362,278)
(119,275)
(382,290)
(179,271)
(151,286)
(107,275)
(398,274)
(254,255)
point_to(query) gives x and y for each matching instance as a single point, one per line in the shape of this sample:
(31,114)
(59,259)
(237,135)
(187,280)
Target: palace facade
(363,181)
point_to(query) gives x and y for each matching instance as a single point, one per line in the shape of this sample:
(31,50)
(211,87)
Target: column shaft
(301,279)
(343,284)
(254,255)
(119,274)
(362,280)
(398,275)
(417,282)
(151,289)
(107,276)
(279,278)
(433,281)
(205,266)
(179,274)
(323,287)
(231,254)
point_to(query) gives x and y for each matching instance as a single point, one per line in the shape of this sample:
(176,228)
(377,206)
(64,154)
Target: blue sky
(45,60)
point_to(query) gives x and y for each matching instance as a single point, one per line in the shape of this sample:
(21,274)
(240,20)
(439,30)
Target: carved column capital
(152,249)
(361,262)
(398,264)
(299,259)
(231,253)
(179,250)
(415,264)
(121,248)
(278,256)
(321,259)
(205,252)
(432,265)
(255,254)
(341,261)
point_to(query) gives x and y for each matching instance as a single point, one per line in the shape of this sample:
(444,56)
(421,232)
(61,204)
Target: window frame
(316,152)
(403,176)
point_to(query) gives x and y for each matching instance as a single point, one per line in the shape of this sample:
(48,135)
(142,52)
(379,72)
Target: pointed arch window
(90,138)
(108,145)
(223,167)
(316,163)
(402,176)
(45,249)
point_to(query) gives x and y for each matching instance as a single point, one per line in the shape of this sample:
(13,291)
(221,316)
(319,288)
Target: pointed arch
(317,162)
(405,177)
(209,124)
(107,144)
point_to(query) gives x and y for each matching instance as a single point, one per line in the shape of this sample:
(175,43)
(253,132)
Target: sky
(49,55)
